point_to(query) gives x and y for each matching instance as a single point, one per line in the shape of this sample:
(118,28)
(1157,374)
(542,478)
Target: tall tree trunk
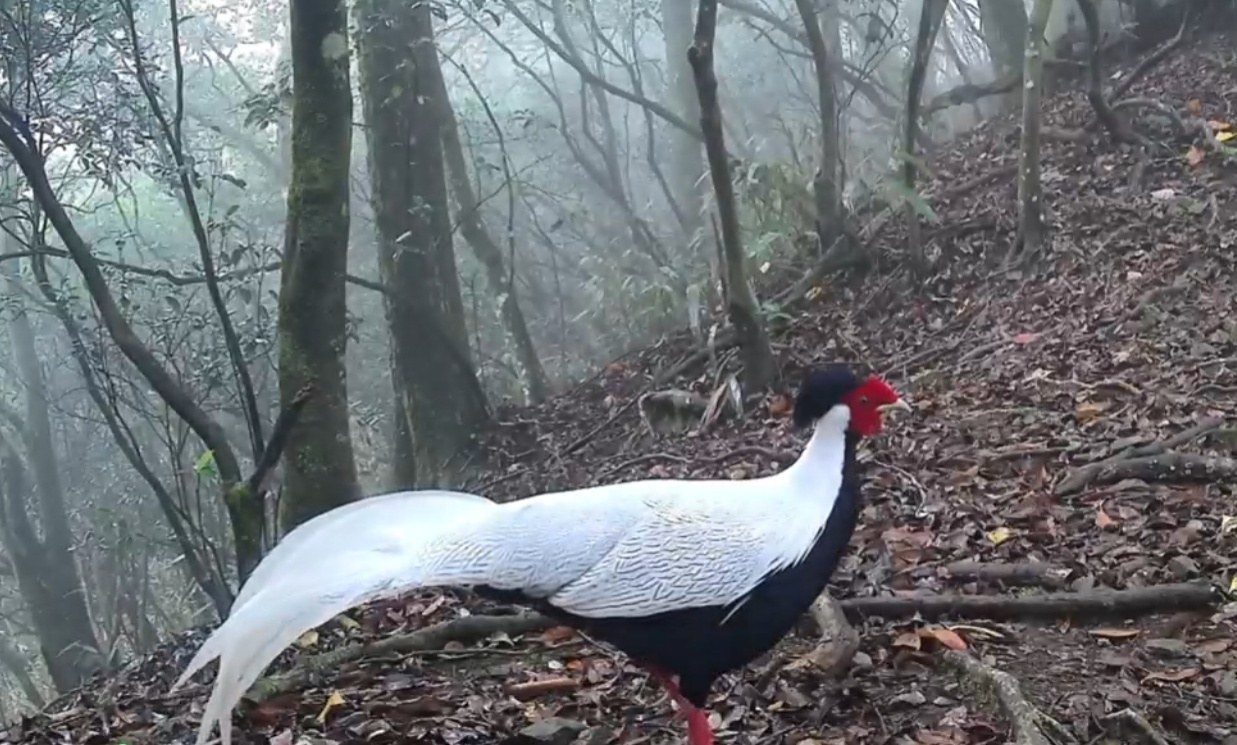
(759,367)
(686,163)
(1031,229)
(320,469)
(827,182)
(47,569)
(931,14)
(483,245)
(56,604)
(1003,26)
(432,369)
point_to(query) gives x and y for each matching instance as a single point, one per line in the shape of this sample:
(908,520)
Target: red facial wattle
(865,403)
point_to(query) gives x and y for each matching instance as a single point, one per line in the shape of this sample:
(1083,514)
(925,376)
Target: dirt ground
(1127,337)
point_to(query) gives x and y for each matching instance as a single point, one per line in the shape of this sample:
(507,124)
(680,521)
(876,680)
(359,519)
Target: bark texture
(320,469)
(1031,229)
(432,370)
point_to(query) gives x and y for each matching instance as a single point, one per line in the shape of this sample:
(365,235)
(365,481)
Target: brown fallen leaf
(947,637)
(1194,106)
(1088,410)
(1172,676)
(1115,633)
(1217,125)
(779,405)
(1194,156)
(1103,520)
(1213,646)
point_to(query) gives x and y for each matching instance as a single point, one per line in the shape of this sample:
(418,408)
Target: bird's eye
(863,399)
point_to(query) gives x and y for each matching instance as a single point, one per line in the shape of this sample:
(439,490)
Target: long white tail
(338,560)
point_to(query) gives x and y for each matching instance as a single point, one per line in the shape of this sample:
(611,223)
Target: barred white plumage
(602,556)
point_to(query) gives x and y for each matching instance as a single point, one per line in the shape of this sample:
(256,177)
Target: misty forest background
(230,303)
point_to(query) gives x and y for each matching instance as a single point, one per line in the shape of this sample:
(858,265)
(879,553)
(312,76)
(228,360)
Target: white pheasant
(689,578)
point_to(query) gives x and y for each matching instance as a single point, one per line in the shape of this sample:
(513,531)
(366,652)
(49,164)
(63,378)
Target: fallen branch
(1170,467)
(1080,478)
(1049,606)
(832,616)
(1027,721)
(431,638)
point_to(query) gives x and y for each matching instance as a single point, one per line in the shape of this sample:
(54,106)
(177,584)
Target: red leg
(699,732)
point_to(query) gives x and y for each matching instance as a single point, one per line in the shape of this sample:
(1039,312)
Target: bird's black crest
(822,388)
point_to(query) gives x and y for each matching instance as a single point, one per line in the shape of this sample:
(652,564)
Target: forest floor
(1127,338)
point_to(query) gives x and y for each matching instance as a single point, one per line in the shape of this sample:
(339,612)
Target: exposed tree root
(1028,722)
(1134,723)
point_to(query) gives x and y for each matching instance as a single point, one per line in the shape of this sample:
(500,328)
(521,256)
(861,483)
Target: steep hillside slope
(1126,336)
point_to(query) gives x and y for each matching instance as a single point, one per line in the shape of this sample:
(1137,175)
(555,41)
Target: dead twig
(1027,721)
(535,688)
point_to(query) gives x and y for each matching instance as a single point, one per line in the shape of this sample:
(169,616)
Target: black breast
(699,644)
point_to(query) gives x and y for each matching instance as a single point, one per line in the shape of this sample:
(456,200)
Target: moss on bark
(320,469)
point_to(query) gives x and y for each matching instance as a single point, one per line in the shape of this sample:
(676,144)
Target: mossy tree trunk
(435,381)
(320,469)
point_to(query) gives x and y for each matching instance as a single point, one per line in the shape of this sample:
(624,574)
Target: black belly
(694,643)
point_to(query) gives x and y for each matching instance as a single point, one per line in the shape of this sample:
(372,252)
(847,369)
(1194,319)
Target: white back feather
(632,549)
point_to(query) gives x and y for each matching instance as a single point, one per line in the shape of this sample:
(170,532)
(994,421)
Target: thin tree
(827,181)
(931,16)
(759,367)
(1032,231)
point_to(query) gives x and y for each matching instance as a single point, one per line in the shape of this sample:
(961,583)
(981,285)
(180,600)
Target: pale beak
(899,405)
